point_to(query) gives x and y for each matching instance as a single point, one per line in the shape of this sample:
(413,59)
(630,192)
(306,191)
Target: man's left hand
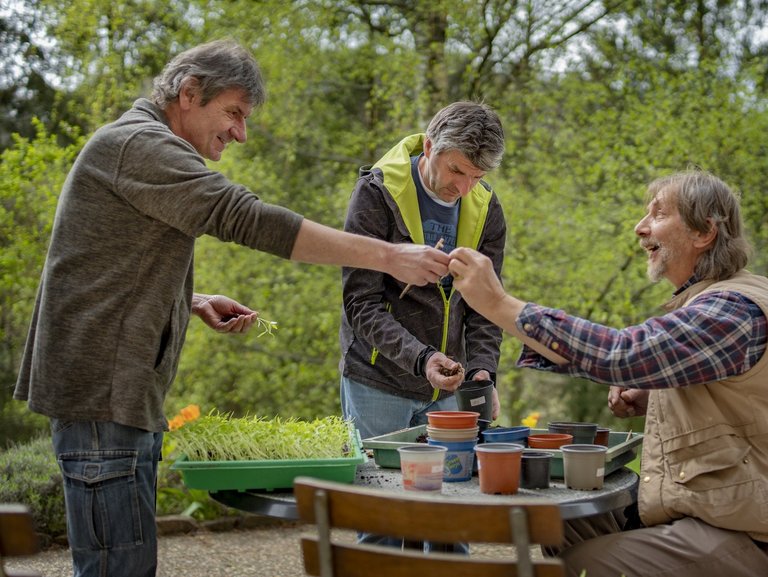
(223,314)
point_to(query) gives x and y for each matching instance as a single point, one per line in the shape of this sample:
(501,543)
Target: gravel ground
(271,549)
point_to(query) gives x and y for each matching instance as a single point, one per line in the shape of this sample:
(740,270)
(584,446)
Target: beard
(657,268)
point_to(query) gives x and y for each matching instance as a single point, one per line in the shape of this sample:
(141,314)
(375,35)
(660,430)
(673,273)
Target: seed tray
(268,475)
(622,449)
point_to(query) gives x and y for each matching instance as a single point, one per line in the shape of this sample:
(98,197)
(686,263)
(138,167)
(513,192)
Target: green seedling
(218,437)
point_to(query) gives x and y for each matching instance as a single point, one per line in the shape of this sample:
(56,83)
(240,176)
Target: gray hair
(215,66)
(703,201)
(473,129)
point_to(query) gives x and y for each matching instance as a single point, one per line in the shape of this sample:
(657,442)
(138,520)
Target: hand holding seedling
(223,314)
(444,373)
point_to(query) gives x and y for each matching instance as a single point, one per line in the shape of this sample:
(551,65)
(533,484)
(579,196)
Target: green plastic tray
(621,450)
(268,475)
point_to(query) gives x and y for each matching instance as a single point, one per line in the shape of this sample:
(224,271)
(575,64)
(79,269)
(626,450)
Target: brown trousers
(684,548)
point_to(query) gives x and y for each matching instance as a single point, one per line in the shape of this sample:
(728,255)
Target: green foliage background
(598,98)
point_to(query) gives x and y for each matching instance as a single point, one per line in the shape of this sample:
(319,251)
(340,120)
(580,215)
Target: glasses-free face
(672,247)
(211,127)
(449,174)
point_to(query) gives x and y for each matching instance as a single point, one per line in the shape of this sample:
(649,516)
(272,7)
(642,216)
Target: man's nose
(238,131)
(641,228)
(466,184)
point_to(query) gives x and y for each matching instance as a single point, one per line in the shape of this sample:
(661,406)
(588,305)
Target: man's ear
(705,239)
(427,146)
(188,93)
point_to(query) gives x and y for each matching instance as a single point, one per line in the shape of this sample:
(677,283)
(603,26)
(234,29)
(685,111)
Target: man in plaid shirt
(699,374)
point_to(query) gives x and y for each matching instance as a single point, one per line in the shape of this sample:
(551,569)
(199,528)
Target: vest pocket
(709,464)
(718,482)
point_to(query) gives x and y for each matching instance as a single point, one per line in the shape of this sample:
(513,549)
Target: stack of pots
(457,431)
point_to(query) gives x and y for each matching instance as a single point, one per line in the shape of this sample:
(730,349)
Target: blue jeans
(377,412)
(110,481)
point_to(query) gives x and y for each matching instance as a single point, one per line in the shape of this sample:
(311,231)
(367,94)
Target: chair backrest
(17,537)
(421,517)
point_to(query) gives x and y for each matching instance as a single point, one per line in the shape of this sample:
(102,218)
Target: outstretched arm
(409,263)
(475,279)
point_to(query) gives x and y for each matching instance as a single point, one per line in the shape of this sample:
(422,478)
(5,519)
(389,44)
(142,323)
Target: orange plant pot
(452,419)
(549,440)
(498,466)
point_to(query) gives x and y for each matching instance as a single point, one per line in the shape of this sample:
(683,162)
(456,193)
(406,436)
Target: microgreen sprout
(266,326)
(220,437)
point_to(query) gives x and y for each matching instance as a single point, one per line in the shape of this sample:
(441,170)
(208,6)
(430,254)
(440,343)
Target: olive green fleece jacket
(382,335)
(115,295)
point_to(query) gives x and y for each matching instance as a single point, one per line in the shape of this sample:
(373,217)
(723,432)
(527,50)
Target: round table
(619,490)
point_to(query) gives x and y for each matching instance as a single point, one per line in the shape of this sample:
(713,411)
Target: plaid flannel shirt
(717,335)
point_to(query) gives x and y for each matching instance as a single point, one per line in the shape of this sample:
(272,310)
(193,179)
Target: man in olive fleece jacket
(117,291)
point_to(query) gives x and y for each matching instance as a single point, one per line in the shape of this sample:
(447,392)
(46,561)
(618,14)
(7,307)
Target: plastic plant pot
(499,467)
(584,466)
(507,435)
(459,459)
(602,436)
(476,396)
(422,467)
(534,469)
(452,419)
(583,433)
(452,434)
(549,440)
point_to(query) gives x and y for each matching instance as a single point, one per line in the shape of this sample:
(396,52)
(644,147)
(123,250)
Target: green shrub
(30,475)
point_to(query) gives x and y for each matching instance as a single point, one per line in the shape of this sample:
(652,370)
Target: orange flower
(176,422)
(190,412)
(187,414)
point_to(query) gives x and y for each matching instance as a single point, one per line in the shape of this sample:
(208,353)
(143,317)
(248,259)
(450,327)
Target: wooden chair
(419,517)
(17,537)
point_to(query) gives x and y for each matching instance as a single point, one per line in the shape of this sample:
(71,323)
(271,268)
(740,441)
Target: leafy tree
(31,175)
(597,98)
(27,76)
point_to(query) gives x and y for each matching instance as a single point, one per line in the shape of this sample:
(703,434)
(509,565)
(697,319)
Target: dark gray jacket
(115,295)
(383,335)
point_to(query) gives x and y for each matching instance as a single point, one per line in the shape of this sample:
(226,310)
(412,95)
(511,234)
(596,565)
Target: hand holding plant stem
(226,315)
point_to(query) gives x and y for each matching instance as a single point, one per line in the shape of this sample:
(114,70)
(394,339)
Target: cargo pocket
(102,498)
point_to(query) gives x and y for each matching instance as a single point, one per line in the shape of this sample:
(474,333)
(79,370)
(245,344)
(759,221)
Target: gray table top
(619,490)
